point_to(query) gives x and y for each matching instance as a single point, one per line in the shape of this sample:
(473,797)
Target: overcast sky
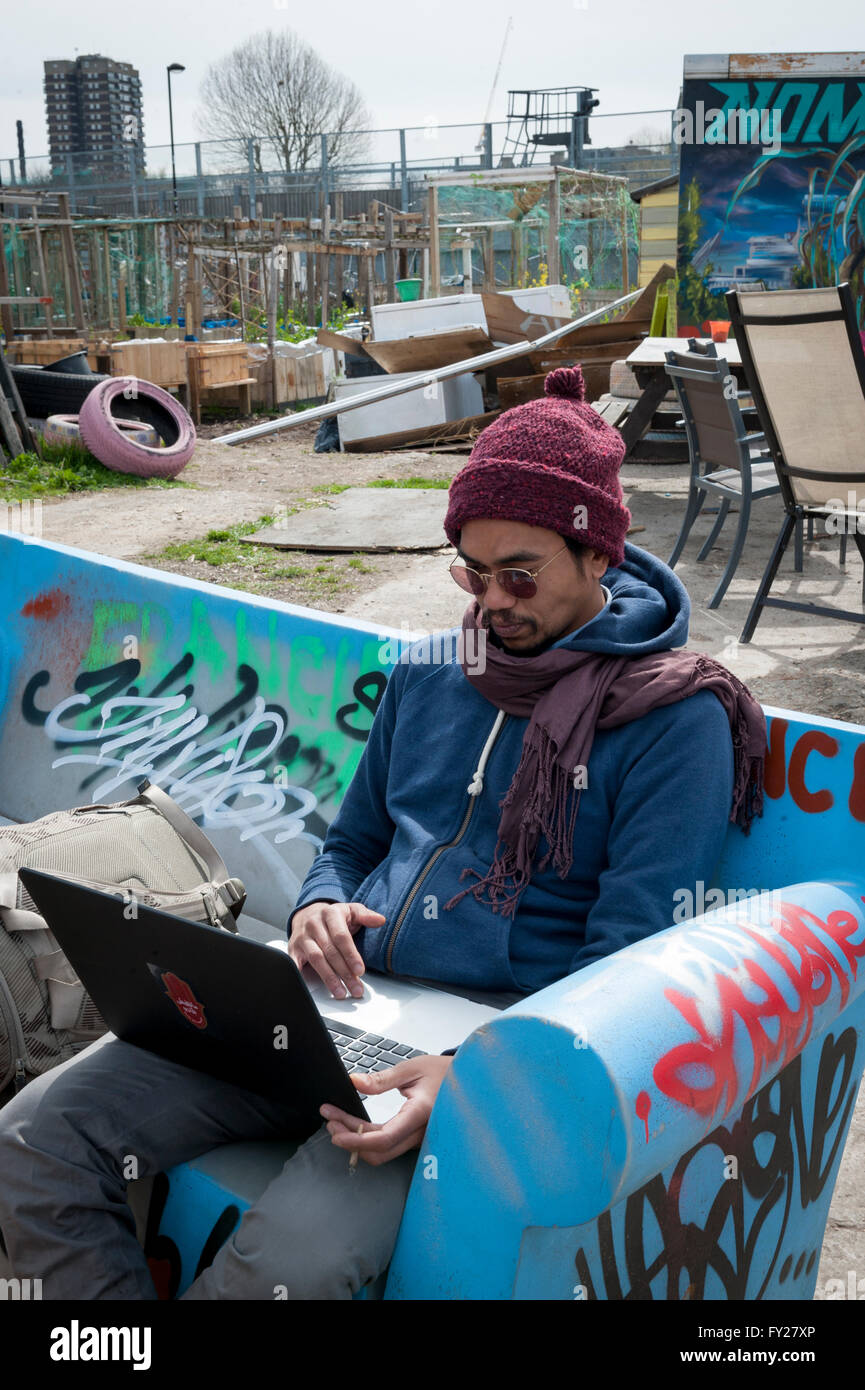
(414,60)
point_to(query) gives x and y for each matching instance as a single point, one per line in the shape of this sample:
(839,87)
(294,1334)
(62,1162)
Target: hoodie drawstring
(476,785)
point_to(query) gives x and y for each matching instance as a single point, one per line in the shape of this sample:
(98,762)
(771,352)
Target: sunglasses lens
(468,579)
(517,583)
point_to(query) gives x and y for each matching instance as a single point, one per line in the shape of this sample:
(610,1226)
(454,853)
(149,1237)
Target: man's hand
(419,1080)
(321,937)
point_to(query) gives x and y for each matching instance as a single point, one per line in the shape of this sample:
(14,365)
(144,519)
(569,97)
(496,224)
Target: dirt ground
(227,484)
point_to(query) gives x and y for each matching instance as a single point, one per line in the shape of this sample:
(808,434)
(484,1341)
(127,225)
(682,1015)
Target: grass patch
(332,488)
(64,469)
(261,570)
(410,482)
(223,547)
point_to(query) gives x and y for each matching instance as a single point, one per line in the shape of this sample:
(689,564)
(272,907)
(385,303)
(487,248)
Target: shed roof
(638,193)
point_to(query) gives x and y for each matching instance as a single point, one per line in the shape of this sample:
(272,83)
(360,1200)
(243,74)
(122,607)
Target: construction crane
(482,141)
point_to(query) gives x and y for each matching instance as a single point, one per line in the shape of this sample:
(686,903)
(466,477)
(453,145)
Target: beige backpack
(148,848)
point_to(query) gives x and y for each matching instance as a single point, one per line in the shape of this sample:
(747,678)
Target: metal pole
(398,388)
(70,174)
(250,158)
(171,131)
(403,173)
(133,176)
(199,181)
(488,145)
(325,172)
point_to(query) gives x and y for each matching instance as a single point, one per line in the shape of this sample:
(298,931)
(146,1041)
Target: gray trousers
(318,1231)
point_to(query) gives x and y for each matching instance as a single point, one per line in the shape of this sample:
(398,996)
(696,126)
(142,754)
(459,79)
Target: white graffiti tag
(220,779)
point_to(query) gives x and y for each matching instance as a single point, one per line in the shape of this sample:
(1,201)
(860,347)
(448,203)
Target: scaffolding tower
(556,116)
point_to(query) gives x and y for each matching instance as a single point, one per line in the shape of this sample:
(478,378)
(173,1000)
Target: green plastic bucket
(409,289)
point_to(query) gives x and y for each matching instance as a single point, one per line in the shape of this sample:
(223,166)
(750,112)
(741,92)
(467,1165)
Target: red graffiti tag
(47,605)
(857,789)
(789,1027)
(643,1106)
(778,772)
(813,741)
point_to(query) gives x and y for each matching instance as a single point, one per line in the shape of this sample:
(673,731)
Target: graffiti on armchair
(776,1014)
(786,770)
(240,766)
(730,1196)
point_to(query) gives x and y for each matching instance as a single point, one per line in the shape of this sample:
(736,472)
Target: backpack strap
(231,890)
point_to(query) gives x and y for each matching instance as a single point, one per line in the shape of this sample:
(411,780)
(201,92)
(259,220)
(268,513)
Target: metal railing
(216,176)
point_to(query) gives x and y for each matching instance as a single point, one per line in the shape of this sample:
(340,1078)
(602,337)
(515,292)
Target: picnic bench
(648,363)
(667,1123)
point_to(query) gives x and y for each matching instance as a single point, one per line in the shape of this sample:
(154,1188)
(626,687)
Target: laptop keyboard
(365,1052)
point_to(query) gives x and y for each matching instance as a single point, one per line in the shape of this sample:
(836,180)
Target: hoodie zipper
(475,788)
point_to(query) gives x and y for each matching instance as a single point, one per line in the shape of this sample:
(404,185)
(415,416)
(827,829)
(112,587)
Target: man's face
(568,590)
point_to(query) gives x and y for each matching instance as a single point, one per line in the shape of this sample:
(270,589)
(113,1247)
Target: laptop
(240,1009)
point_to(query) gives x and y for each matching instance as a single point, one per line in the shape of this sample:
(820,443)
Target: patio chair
(726,461)
(804,360)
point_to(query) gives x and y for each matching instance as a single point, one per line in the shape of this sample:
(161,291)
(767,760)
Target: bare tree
(277,89)
(649,135)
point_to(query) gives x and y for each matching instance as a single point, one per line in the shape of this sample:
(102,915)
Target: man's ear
(597,562)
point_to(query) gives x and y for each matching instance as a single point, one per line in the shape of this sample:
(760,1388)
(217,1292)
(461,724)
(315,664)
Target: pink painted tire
(125,398)
(63,429)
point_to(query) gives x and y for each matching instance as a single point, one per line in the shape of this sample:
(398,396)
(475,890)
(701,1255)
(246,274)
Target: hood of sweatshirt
(648,610)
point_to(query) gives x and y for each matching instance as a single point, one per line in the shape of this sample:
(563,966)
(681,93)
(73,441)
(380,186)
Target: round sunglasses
(516,583)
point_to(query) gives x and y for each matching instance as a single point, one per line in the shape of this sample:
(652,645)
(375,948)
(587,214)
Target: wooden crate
(217,367)
(219,364)
(39,352)
(162,363)
(299,378)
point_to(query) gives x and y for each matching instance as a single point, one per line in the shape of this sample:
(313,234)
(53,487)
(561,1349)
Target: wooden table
(648,365)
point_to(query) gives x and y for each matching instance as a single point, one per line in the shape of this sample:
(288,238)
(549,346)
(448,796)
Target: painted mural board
(772,177)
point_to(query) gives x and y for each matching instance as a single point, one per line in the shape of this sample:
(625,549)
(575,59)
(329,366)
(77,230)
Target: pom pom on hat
(566,382)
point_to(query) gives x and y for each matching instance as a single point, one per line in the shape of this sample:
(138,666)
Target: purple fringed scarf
(566,695)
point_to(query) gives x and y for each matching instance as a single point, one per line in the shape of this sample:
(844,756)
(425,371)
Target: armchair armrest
(583,1135)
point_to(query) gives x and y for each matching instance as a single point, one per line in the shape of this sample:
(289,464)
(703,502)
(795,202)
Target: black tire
(53,393)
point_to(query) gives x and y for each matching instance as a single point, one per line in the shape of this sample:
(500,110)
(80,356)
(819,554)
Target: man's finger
(361,916)
(317,960)
(399,1075)
(382,1138)
(344,943)
(335,959)
(412,1141)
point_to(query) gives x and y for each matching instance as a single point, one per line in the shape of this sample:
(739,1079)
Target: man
(578,776)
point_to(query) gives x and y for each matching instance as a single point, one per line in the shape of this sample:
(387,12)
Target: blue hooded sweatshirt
(651,821)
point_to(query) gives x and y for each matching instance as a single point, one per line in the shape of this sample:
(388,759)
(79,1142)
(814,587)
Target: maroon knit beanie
(541,462)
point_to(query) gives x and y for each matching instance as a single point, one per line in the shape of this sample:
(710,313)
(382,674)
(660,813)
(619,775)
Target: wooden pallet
(16,436)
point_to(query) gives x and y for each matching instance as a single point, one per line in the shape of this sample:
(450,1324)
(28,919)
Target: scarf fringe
(539,800)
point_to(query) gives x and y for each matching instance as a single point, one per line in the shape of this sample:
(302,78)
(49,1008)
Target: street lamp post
(173,67)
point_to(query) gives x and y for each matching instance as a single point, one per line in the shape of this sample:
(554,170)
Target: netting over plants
(108,257)
(507,219)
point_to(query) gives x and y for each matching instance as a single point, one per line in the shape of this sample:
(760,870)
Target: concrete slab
(364,518)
